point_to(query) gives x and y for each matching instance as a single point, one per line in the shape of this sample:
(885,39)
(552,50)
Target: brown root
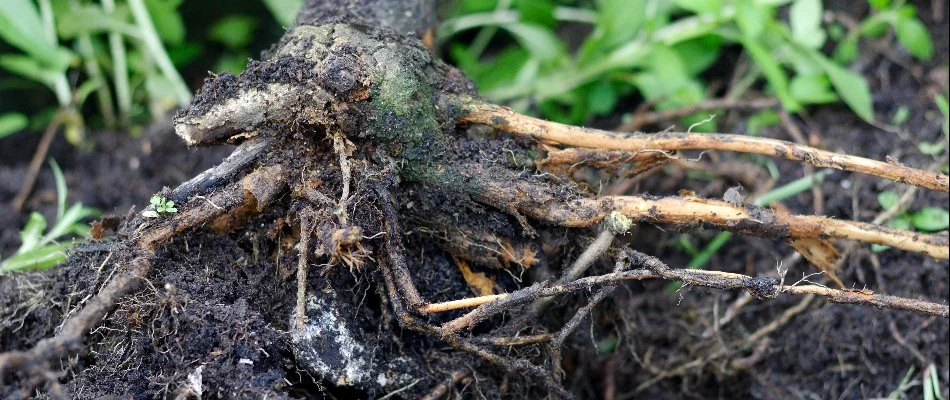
(653,268)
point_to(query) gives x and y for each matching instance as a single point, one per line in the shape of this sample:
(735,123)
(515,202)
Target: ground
(217,307)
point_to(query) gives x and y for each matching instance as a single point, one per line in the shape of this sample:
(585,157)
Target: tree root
(541,204)
(503,118)
(761,288)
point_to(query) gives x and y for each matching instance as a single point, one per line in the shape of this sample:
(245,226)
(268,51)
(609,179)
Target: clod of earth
(357,135)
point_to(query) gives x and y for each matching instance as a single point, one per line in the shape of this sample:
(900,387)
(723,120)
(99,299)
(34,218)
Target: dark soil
(217,307)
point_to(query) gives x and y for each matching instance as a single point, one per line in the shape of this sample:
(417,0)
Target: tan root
(540,203)
(552,132)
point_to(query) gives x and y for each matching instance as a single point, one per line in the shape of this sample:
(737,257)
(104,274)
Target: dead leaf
(820,253)
(478,282)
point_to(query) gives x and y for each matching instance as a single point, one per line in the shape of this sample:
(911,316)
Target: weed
(42,251)
(159,206)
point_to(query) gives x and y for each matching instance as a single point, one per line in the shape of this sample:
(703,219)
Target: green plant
(931,385)
(32,30)
(234,32)
(658,51)
(937,147)
(927,219)
(284,11)
(905,384)
(159,206)
(42,251)
(11,123)
(887,15)
(124,38)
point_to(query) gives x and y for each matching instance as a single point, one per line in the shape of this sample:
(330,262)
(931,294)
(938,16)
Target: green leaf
(913,35)
(887,199)
(29,68)
(233,31)
(945,110)
(664,73)
(234,63)
(184,53)
(879,4)
(805,19)
(167,20)
(873,27)
(902,222)
(601,98)
(40,258)
(699,53)
(901,115)
(931,219)
(22,27)
(850,86)
(812,89)
(931,148)
(72,217)
(540,41)
(32,232)
(701,6)
(284,11)
(751,18)
(618,21)
(89,19)
(11,123)
(536,12)
(773,72)
(60,189)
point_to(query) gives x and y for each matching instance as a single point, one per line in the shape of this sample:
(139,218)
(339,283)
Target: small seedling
(159,207)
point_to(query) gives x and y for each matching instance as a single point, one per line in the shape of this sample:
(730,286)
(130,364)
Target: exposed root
(37,360)
(255,191)
(249,195)
(441,390)
(566,161)
(575,321)
(539,203)
(552,132)
(306,231)
(761,288)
